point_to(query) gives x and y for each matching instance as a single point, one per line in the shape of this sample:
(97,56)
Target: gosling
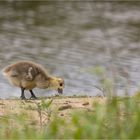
(28,75)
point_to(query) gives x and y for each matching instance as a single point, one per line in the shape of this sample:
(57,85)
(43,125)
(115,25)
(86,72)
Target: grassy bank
(66,117)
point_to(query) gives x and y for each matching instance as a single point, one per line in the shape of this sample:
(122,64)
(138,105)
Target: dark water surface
(70,39)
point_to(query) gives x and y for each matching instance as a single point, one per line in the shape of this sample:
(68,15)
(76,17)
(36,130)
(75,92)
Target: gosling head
(56,84)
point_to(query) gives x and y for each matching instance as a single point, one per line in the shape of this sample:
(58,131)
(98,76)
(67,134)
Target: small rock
(64,107)
(62,114)
(86,103)
(2,104)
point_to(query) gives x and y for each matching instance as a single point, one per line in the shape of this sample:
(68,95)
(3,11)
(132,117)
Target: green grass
(117,119)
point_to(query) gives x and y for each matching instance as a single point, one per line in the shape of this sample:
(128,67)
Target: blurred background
(71,39)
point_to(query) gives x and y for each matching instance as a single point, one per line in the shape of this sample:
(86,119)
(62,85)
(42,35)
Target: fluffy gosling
(28,75)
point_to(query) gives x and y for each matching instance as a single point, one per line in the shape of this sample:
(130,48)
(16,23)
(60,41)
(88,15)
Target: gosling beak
(60,91)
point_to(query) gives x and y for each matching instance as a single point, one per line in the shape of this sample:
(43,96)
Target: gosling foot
(22,98)
(33,97)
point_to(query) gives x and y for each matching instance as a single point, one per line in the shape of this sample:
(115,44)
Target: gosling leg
(22,97)
(32,95)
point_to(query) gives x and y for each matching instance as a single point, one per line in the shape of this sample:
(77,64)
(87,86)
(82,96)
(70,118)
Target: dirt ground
(42,110)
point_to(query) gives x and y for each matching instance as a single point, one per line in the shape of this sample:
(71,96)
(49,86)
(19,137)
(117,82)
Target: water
(71,38)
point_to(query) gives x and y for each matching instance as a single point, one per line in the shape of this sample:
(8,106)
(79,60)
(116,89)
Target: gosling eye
(61,84)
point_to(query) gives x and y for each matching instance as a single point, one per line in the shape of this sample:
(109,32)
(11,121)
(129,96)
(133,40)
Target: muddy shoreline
(43,110)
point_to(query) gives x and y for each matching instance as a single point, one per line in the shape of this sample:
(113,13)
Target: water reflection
(68,38)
